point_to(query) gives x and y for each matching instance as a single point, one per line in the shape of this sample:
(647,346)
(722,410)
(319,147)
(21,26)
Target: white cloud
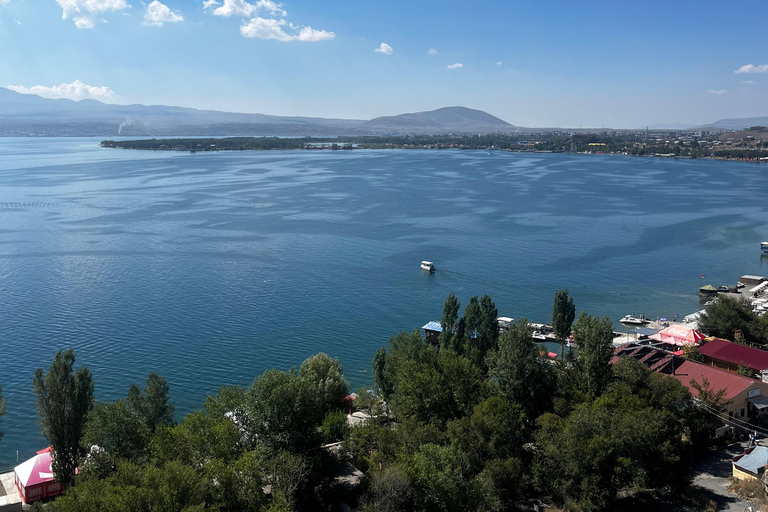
(77,90)
(748,82)
(717,91)
(157,14)
(243,9)
(311,35)
(82,12)
(3,2)
(458,65)
(84,22)
(749,68)
(270,28)
(499,63)
(385,49)
(207,4)
(432,51)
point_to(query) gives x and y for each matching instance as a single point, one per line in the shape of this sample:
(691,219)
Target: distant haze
(26,114)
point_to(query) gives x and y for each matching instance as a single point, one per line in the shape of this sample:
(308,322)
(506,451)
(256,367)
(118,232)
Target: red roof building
(748,398)
(728,355)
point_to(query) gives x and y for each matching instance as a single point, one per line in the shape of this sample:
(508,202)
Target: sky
(616,64)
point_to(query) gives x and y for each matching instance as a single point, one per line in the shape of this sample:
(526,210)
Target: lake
(209,268)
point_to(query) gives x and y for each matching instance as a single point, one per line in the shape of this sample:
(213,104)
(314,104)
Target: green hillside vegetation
(481,422)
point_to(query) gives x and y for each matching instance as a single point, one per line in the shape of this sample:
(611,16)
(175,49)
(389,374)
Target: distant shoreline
(206,145)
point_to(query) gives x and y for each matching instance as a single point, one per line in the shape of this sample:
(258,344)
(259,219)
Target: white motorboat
(632,320)
(428,266)
(764,247)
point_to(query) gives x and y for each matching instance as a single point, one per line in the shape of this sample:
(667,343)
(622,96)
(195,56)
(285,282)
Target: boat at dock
(633,320)
(764,247)
(428,266)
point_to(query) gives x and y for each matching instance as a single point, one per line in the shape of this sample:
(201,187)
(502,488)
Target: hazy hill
(29,114)
(738,123)
(448,119)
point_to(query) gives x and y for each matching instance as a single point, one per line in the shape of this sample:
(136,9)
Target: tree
(380,377)
(326,376)
(595,341)
(450,319)
(472,317)
(285,412)
(746,371)
(151,403)
(518,371)
(487,332)
(118,430)
(727,315)
(563,313)
(64,400)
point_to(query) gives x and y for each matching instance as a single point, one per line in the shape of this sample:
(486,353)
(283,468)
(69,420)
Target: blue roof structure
(754,461)
(433,326)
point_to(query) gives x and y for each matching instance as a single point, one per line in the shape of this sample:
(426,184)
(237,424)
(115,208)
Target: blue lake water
(210,268)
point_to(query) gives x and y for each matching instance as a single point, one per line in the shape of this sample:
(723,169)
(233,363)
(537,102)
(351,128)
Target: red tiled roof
(737,354)
(718,379)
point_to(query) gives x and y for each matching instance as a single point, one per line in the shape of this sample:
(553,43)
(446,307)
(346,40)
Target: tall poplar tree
(450,320)
(563,314)
(595,344)
(64,399)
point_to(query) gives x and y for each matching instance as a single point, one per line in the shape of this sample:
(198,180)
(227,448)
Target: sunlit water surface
(210,268)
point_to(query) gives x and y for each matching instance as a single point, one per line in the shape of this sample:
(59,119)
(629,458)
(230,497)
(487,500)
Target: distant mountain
(27,114)
(738,123)
(671,126)
(442,120)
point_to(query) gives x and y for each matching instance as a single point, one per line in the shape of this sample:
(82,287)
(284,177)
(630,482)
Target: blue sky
(569,64)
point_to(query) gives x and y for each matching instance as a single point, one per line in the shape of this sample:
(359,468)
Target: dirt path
(712,476)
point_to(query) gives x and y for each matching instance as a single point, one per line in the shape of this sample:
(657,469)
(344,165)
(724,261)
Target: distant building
(751,280)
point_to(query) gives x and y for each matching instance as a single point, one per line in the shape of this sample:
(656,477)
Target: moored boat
(764,247)
(428,266)
(632,320)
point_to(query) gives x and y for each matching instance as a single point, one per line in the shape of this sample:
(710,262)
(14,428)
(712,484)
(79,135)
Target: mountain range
(28,114)
(25,114)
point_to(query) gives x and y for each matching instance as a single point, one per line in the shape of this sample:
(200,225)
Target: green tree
(380,374)
(326,376)
(115,428)
(746,371)
(727,315)
(518,371)
(64,400)
(285,412)
(563,313)
(389,490)
(486,332)
(335,427)
(199,438)
(472,318)
(595,341)
(151,403)
(437,474)
(449,321)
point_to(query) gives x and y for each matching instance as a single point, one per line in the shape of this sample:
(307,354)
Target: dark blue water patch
(210,268)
